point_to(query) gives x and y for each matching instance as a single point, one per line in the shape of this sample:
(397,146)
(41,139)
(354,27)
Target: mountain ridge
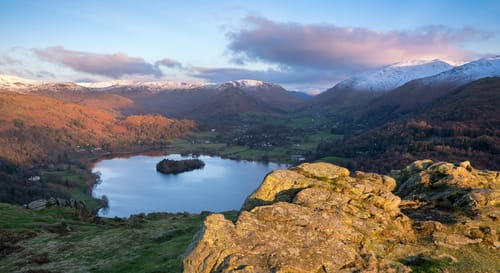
(392,76)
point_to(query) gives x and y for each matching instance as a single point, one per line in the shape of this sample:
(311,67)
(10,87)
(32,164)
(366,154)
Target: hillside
(272,96)
(420,92)
(363,88)
(395,91)
(207,102)
(93,99)
(32,126)
(37,132)
(463,125)
(54,240)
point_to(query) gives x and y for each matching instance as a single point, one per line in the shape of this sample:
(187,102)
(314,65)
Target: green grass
(72,180)
(18,219)
(152,243)
(430,265)
(474,258)
(334,159)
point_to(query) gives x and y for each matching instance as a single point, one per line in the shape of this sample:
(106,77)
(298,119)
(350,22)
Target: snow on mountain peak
(394,75)
(154,85)
(250,82)
(486,67)
(247,84)
(16,82)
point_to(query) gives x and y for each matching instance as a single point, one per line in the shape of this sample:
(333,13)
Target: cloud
(290,78)
(45,74)
(111,65)
(169,63)
(6,60)
(343,49)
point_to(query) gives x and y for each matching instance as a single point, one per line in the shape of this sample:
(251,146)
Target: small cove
(133,185)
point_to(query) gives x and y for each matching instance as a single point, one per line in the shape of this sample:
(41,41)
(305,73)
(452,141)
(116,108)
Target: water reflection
(133,185)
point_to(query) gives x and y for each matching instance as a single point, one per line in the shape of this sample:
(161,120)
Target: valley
(52,134)
(48,125)
(249,136)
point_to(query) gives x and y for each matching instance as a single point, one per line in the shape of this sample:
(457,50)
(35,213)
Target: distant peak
(392,76)
(247,84)
(241,83)
(158,85)
(11,79)
(17,83)
(488,59)
(497,57)
(422,62)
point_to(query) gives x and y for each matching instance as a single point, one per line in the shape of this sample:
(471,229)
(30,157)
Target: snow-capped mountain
(486,67)
(151,85)
(14,82)
(25,85)
(394,75)
(176,85)
(248,85)
(421,92)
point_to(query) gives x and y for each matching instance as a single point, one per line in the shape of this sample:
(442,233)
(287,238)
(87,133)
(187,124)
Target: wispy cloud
(289,78)
(111,65)
(6,60)
(323,46)
(169,63)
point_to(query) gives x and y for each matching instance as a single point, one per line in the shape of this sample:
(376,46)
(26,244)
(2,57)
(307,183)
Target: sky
(302,45)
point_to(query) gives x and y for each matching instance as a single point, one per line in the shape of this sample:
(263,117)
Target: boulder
(57,202)
(465,200)
(312,218)
(449,186)
(38,204)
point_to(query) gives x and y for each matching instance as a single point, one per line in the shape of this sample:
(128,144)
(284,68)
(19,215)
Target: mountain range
(381,79)
(408,83)
(375,121)
(375,96)
(170,98)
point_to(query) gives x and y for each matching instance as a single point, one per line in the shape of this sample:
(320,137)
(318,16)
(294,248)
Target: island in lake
(169,166)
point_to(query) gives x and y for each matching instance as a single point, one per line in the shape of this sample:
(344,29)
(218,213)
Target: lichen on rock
(311,218)
(318,217)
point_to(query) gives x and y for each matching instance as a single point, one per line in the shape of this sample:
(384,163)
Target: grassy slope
(73,180)
(157,242)
(153,243)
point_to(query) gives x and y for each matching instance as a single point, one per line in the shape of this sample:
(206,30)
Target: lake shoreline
(219,186)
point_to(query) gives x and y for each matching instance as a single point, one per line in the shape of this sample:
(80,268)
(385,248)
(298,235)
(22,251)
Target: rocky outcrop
(451,204)
(312,218)
(56,202)
(320,218)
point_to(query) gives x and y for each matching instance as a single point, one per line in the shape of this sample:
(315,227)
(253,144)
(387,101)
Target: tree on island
(169,166)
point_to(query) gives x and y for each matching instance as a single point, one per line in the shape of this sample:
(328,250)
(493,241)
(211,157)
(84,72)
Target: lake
(133,185)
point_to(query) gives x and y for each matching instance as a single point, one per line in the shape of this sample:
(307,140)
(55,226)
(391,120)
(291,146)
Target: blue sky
(302,45)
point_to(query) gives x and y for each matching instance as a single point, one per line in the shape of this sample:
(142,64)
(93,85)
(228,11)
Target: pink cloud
(323,46)
(112,65)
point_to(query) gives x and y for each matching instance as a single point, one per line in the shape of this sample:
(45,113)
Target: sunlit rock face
(320,218)
(312,218)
